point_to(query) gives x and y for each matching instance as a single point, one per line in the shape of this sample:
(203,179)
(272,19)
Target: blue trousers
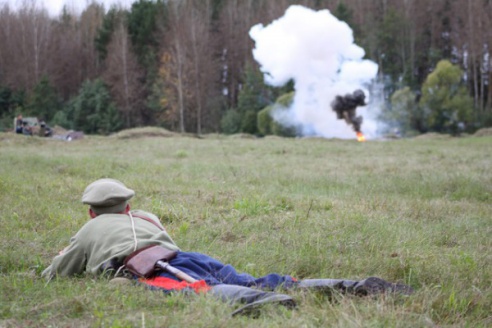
(214,272)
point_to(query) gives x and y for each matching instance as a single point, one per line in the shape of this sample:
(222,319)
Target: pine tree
(43,102)
(93,111)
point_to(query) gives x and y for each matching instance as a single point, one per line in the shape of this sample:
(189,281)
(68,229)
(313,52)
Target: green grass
(417,211)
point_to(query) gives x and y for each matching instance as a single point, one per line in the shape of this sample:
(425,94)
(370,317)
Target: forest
(187,65)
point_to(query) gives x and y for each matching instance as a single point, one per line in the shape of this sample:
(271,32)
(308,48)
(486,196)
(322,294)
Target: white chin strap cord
(134,241)
(133,230)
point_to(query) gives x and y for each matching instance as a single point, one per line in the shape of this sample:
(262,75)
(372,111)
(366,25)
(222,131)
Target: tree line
(187,65)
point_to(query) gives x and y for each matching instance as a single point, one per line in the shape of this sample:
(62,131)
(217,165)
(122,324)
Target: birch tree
(123,75)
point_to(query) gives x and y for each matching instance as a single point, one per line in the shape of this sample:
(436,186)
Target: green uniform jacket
(105,238)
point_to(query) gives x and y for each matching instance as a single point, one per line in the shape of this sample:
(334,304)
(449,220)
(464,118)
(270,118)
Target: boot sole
(375,285)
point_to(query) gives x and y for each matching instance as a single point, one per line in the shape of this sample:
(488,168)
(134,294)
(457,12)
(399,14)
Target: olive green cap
(107,196)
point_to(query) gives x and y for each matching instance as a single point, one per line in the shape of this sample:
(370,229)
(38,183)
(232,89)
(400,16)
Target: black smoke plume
(345,107)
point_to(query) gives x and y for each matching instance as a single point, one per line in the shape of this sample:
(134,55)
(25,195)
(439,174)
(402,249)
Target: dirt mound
(211,136)
(485,132)
(273,137)
(433,135)
(143,133)
(242,136)
(59,130)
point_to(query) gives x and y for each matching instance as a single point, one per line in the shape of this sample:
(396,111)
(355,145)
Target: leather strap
(158,225)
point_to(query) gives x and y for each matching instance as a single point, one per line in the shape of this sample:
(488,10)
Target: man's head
(107,196)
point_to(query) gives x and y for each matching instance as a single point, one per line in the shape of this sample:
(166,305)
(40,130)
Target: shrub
(282,130)
(445,99)
(264,120)
(286,99)
(249,122)
(231,122)
(405,113)
(266,123)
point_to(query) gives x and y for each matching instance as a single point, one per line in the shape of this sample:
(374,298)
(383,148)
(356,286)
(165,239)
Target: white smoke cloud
(317,51)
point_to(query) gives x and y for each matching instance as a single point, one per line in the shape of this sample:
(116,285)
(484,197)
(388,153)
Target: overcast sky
(55,6)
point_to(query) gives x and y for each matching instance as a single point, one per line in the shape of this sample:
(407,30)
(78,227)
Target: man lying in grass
(115,232)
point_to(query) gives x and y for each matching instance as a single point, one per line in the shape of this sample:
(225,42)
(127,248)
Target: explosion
(346,106)
(316,51)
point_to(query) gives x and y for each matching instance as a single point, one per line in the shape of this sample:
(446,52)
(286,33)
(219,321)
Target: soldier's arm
(71,261)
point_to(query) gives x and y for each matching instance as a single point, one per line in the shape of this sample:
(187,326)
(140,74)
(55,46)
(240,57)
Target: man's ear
(127,208)
(91,213)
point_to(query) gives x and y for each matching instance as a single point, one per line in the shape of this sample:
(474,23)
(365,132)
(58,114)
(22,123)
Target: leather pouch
(143,261)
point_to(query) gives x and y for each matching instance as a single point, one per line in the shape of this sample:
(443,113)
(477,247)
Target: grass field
(417,211)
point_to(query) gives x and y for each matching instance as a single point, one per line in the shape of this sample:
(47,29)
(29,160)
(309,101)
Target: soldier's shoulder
(145,214)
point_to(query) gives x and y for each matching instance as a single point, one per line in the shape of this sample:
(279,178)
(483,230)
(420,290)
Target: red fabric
(170,284)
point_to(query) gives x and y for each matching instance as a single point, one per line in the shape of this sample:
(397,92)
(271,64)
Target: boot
(375,285)
(369,286)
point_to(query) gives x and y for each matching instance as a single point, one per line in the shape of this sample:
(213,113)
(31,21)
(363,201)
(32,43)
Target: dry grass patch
(486,132)
(143,133)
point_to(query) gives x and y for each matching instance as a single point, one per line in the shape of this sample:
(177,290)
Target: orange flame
(360,137)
